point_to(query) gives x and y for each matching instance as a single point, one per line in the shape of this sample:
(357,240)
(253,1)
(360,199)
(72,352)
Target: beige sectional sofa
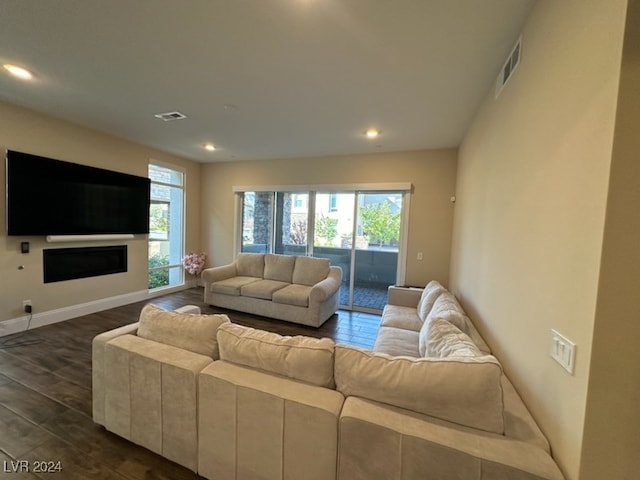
(430,401)
(264,406)
(287,287)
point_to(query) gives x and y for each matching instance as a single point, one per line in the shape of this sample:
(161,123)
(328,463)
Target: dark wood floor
(45,394)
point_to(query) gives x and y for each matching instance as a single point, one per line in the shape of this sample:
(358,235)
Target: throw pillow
(193,332)
(301,358)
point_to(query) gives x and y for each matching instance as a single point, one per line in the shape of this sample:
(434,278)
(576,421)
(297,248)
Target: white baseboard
(15,325)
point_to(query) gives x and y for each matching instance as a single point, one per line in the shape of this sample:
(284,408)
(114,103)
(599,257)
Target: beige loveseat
(287,287)
(265,406)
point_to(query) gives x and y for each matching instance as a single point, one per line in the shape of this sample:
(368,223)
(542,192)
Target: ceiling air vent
(167,117)
(509,67)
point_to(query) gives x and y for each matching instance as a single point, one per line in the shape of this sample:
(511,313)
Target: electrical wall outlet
(25,304)
(563,351)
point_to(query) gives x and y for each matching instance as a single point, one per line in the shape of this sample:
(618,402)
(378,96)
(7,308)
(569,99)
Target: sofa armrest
(98,367)
(215,274)
(327,287)
(404,296)
(420,446)
(151,396)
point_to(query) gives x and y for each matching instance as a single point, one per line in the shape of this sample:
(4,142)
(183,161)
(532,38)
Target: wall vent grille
(509,67)
(167,117)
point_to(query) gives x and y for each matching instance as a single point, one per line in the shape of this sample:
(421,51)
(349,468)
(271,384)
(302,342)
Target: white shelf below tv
(88,238)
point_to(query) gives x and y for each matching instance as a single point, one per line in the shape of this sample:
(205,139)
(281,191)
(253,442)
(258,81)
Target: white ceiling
(307,76)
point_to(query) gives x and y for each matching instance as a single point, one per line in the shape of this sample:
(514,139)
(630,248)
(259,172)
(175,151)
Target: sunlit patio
(371,297)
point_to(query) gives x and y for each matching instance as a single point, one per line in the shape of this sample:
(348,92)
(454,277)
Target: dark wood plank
(29,403)
(45,391)
(67,462)
(15,470)
(19,436)
(112,451)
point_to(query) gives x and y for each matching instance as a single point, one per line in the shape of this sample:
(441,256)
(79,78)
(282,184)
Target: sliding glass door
(357,231)
(333,235)
(376,248)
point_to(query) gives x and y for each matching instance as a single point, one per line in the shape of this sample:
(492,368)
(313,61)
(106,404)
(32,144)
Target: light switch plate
(563,351)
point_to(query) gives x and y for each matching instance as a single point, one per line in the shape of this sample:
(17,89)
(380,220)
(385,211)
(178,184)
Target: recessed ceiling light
(210,147)
(17,71)
(372,133)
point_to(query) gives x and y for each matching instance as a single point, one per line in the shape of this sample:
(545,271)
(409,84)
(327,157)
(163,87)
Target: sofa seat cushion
(232,286)
(297,295)
(279,267)
(302,358)
(446,340)
(196,333)
(397,341)
(401,317)
(262,289)
(309,270)
(464,390)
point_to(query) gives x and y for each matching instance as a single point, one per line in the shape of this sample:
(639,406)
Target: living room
(542,234)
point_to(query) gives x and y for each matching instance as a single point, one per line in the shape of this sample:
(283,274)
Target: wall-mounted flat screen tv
(52,197)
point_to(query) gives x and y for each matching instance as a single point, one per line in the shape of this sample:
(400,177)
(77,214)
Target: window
(257,219)
(166,227)
(360,230)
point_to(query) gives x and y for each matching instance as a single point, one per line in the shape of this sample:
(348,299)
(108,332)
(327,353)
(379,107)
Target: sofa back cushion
(193,332)
(446,340)
(446,306)
(429,295)
(250,265)
(464,390)
(279,267)
(301,358)
(310,270)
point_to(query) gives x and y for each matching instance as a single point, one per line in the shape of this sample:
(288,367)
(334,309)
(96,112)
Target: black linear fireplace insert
(70,263)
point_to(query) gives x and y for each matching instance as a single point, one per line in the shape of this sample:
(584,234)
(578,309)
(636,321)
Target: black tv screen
(52,197)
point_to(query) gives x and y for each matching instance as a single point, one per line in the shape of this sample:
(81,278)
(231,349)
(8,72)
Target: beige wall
(532,186)
(612,435)
(27,131)
(432,174)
